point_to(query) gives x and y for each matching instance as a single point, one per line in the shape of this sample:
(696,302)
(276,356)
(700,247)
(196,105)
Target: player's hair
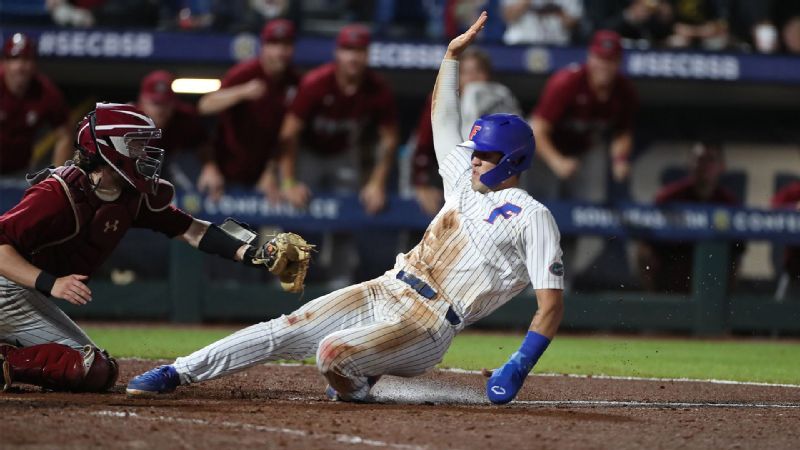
(481,57)
(86,163)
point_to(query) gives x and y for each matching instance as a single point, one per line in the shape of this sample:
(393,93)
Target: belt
(426,291)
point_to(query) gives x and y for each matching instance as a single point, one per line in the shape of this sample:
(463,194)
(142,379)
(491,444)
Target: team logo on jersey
(557,269)
(111,226)
(475,129)
(506,211)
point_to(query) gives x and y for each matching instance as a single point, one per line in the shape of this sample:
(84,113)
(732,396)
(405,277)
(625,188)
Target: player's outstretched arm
(445,109)
(505,382)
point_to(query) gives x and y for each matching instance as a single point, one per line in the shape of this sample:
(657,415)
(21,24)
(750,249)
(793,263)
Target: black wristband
(44,283)
(249,254)
(217,242)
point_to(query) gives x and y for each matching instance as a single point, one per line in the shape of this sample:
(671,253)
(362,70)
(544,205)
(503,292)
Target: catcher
(67,223)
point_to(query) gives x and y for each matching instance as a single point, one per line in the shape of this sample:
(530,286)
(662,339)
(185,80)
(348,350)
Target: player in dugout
(487,244)
(67,223)
(28,100)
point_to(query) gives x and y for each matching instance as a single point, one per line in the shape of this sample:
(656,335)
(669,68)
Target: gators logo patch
(557,269)
(474,131)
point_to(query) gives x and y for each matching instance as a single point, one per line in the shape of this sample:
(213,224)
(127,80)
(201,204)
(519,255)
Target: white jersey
(479,252)
(481,249)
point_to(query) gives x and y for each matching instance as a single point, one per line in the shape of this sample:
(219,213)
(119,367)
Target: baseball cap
(157,87)
(278,30)
(353,36)
(19,45)
(606,44)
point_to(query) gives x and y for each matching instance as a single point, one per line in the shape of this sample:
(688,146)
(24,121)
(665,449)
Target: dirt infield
(283,407)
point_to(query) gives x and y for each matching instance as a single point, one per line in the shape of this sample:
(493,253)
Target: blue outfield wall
(187,296)
(225,49)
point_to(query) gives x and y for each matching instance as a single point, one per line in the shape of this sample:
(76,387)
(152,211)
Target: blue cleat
(161,380)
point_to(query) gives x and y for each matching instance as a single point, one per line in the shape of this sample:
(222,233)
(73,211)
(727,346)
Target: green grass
(741,360)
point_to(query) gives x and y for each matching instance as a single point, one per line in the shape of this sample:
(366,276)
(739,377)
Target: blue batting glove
(505,382)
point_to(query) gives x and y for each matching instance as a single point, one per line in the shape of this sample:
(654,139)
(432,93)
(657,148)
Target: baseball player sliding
(485,245)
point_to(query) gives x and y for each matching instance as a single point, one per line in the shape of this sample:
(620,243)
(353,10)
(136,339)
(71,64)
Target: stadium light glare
(195,85)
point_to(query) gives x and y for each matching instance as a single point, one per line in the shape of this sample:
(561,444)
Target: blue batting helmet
(507,134)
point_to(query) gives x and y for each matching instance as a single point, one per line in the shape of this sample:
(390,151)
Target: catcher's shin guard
(59,367)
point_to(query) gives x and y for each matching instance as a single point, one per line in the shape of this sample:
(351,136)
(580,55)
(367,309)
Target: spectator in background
(667,266)
(459,15)
(327,133)
(548,22)
(646,21)
(105,13)
(752,25)
(790,34)
(28,101)
(479,96)
(700,23)
(789,280)
(183,131)
(251,105)
(340,136)
(584,113)
(580,109)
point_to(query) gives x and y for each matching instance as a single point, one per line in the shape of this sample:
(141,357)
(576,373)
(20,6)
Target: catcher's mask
(119,134)
(507,134)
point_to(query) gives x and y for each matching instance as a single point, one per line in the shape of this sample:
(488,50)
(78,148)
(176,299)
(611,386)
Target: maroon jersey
(683,191)
(21,117)
(185,130)
(247,136)
(789,198)
(676,257)
(62,227)
(424,166)
(336,123)
(577,115)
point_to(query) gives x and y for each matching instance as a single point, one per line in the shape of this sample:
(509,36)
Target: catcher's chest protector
(98,229)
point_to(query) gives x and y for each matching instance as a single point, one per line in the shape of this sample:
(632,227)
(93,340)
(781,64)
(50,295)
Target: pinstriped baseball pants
(29,318)
(379,327)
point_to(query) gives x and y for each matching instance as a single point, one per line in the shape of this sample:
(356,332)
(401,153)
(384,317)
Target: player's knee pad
(102,372)
(59,367)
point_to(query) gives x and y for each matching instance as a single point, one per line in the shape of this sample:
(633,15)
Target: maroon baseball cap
(606,44)
(278,30)
(353,36)
(19,45)
(157,87)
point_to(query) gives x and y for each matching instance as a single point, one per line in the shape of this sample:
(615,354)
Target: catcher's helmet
(118,134)
(507,134)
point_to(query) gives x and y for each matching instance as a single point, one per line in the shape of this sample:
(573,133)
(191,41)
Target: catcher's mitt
(287,255)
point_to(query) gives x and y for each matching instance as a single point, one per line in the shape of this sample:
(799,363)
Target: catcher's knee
(59,367)
(103,372)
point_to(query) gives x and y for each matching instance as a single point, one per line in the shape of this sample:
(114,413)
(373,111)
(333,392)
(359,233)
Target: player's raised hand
(461,42)
(72,289)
